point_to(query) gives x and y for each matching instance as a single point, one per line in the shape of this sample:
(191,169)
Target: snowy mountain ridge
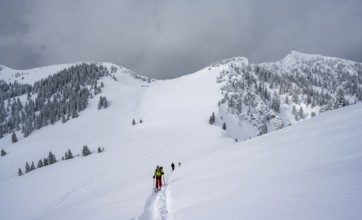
(269,96)
(295,58)
(257,98)
(36,74)
(309,170)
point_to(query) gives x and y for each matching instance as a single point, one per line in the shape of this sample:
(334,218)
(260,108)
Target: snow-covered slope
(306,171)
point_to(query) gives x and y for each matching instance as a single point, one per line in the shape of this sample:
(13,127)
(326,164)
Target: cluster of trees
(85,151)
(256,92)
(11,90)
(58,97)
(212,121)
(51,159)
(68,155)
(134,121)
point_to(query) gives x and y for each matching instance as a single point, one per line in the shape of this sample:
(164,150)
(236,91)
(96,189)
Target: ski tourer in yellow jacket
(158,174)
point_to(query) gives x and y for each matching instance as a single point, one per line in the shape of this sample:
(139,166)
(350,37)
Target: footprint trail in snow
(156,206)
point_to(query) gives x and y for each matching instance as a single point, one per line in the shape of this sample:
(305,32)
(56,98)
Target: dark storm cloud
(13,51)
(166,38)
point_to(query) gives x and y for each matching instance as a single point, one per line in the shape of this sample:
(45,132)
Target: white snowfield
(311,170)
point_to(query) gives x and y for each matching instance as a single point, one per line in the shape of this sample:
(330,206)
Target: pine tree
(301,113)
(99,150)
(51,158)
(141,121)
(14,139)
(85,151)
(133,122)
(46,162)
(70,154)
(105,102)
(212,118)
(20,172)
(295,97)
(3,153)
(27,167)
(100,103)
(32,167)
(340,100)
(224,126)
(40,164)
(54,159)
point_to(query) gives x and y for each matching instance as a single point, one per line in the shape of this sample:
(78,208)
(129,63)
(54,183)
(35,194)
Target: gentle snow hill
(306,171)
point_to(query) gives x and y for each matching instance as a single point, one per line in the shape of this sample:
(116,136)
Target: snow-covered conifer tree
(20,172)
(85,151)
(27,167)
(70,154)
(105,102)
(212,118)
(46,161)
(340,100)
(40,164)
(301,113)
(3,153)
(32,167)
(14,139)
(51,158)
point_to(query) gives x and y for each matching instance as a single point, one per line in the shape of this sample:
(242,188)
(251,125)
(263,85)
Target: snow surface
(310,170)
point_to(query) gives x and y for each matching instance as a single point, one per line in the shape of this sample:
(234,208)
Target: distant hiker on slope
(157,175)
(173,166)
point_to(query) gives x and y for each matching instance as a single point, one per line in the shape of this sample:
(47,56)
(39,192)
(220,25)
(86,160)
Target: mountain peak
(295,56)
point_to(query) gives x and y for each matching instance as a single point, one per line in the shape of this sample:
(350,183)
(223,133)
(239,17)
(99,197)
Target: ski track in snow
(156,205)
(84,182)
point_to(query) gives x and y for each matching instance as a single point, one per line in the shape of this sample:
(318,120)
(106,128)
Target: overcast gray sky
(167,38)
